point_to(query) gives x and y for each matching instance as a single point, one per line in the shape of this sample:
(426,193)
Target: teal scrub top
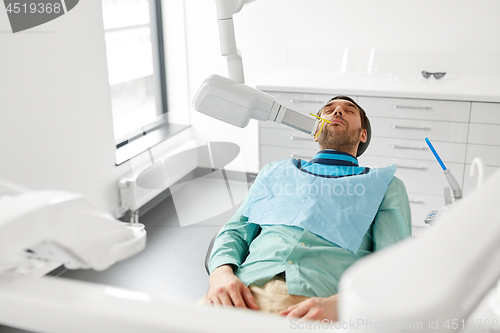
(312,265)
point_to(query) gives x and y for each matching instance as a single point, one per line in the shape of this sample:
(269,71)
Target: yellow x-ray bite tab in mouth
(322,124)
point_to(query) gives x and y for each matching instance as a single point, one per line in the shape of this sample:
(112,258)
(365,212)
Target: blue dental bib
(337,208)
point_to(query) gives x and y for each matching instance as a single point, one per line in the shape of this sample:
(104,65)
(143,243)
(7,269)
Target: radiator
(136,189)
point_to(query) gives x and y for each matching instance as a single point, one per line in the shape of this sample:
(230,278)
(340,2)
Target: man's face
(345,132)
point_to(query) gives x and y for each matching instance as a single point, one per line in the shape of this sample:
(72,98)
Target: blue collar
(333,157)
(330,163)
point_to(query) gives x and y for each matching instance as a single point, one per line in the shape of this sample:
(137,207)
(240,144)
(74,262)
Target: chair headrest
(362,146)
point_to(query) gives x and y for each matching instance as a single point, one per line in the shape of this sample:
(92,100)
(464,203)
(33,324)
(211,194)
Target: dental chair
(209,250)
(361,149)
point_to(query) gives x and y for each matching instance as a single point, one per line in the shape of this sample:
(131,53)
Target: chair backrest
(209,250)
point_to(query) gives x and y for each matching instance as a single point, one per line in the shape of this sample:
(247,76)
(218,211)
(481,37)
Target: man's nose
(338,110)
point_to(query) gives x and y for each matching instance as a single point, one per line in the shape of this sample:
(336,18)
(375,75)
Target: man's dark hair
(362,113)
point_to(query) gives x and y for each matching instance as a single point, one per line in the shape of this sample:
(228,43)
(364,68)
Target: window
(136,69)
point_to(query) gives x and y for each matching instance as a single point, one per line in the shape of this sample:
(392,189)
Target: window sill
(139,145)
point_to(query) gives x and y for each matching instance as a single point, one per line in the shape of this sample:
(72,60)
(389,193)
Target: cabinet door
(273,153)
(287,138)
(483,142)
(471,182)
(301,102)
(487,134)
(399,108)
(485,113)
(304,102)
(416,149)
(424,177)
(488,153)
(419,129)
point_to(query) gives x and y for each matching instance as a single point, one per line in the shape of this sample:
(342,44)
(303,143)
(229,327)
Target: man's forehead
(341,101)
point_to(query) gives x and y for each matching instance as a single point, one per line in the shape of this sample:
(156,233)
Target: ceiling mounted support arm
(227,38)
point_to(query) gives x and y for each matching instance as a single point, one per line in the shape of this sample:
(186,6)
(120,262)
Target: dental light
(229,99)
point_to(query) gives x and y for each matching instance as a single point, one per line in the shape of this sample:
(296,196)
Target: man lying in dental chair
(302,224)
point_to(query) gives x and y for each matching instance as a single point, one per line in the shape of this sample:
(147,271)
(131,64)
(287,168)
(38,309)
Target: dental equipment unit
(37,227)
(457,191)
(455,187)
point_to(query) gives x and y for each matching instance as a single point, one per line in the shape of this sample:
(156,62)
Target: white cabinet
(398,108)
(416,129)
(459,130)
(483,141)
(419,176)
(398,132)
(415,149)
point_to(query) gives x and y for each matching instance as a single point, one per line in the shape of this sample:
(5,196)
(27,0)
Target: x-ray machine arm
(225,11)
(229,99)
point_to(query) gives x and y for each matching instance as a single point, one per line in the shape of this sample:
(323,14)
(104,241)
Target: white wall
(55,112)
(458,36)
(414,30)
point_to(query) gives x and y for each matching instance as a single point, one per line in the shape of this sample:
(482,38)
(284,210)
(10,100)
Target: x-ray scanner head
(236,103)
(232,102)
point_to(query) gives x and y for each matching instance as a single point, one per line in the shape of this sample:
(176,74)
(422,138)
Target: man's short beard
(343,141)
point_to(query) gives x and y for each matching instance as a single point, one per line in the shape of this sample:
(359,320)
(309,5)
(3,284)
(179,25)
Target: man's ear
(363,136)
